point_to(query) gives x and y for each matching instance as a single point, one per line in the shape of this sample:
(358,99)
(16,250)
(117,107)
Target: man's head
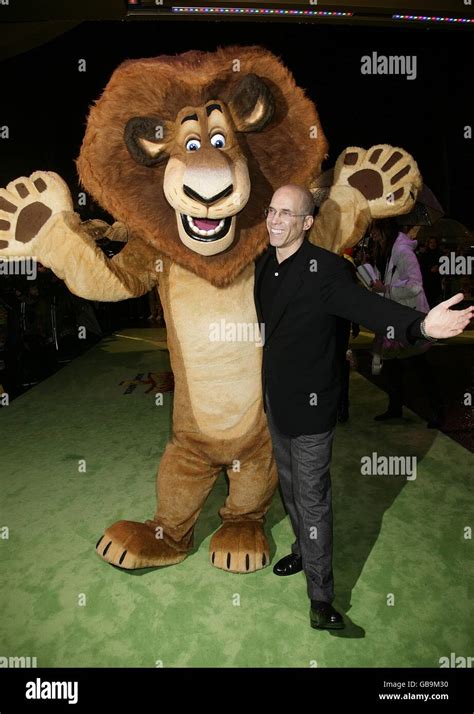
(289,216)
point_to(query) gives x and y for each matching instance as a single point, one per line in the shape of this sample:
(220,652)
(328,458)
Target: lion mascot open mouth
(185,153)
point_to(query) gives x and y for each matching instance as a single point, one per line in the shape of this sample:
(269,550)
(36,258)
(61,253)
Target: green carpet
(79,453)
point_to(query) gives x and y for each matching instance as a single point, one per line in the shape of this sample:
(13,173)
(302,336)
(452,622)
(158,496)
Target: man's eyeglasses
(285,214)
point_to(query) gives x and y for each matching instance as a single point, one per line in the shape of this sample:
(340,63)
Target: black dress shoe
(324,617)
(289,565)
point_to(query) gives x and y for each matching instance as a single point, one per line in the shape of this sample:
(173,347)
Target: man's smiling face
(289,217)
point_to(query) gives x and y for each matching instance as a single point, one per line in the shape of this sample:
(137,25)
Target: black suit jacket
(300,368)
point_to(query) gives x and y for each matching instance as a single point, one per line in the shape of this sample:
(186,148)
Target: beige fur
(223,377)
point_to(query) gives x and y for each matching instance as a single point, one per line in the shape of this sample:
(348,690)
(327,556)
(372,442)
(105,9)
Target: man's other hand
(442,322)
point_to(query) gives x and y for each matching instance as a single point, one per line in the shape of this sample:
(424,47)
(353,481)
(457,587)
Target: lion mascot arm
(37,220)
(366,185)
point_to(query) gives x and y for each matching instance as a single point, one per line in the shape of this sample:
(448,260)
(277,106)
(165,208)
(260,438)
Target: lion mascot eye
(218,141)
(193,145)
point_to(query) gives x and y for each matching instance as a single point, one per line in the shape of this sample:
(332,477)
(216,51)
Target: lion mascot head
(187,151)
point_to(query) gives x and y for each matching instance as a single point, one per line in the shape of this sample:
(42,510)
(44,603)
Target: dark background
(45,99)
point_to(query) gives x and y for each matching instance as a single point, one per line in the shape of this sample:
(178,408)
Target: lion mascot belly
(185,152)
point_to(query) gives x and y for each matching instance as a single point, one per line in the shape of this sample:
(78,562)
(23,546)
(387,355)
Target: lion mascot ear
(252,104)
(145,138)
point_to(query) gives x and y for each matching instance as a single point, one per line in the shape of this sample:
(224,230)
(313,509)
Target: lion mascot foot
(131,545)
(240,547)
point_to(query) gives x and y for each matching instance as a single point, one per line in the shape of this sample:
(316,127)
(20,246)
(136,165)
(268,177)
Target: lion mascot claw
(185,152)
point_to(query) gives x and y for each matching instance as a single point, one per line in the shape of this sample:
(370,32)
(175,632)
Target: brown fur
(160,87)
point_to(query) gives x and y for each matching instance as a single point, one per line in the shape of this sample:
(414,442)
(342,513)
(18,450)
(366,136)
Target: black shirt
(272,277)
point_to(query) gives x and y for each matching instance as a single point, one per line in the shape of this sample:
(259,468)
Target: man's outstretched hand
(442,322)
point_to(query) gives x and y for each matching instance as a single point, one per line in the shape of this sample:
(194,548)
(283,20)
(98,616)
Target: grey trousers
(303,470)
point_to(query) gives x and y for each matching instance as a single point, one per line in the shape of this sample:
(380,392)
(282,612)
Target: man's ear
(145,138)
(252,104)
(308,222)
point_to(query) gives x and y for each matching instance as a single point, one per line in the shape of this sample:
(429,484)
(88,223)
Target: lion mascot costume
(185,152)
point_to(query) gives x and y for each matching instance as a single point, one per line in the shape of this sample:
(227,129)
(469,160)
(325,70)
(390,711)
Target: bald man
(301,291)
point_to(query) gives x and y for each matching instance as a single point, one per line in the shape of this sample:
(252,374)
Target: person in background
(396,260)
